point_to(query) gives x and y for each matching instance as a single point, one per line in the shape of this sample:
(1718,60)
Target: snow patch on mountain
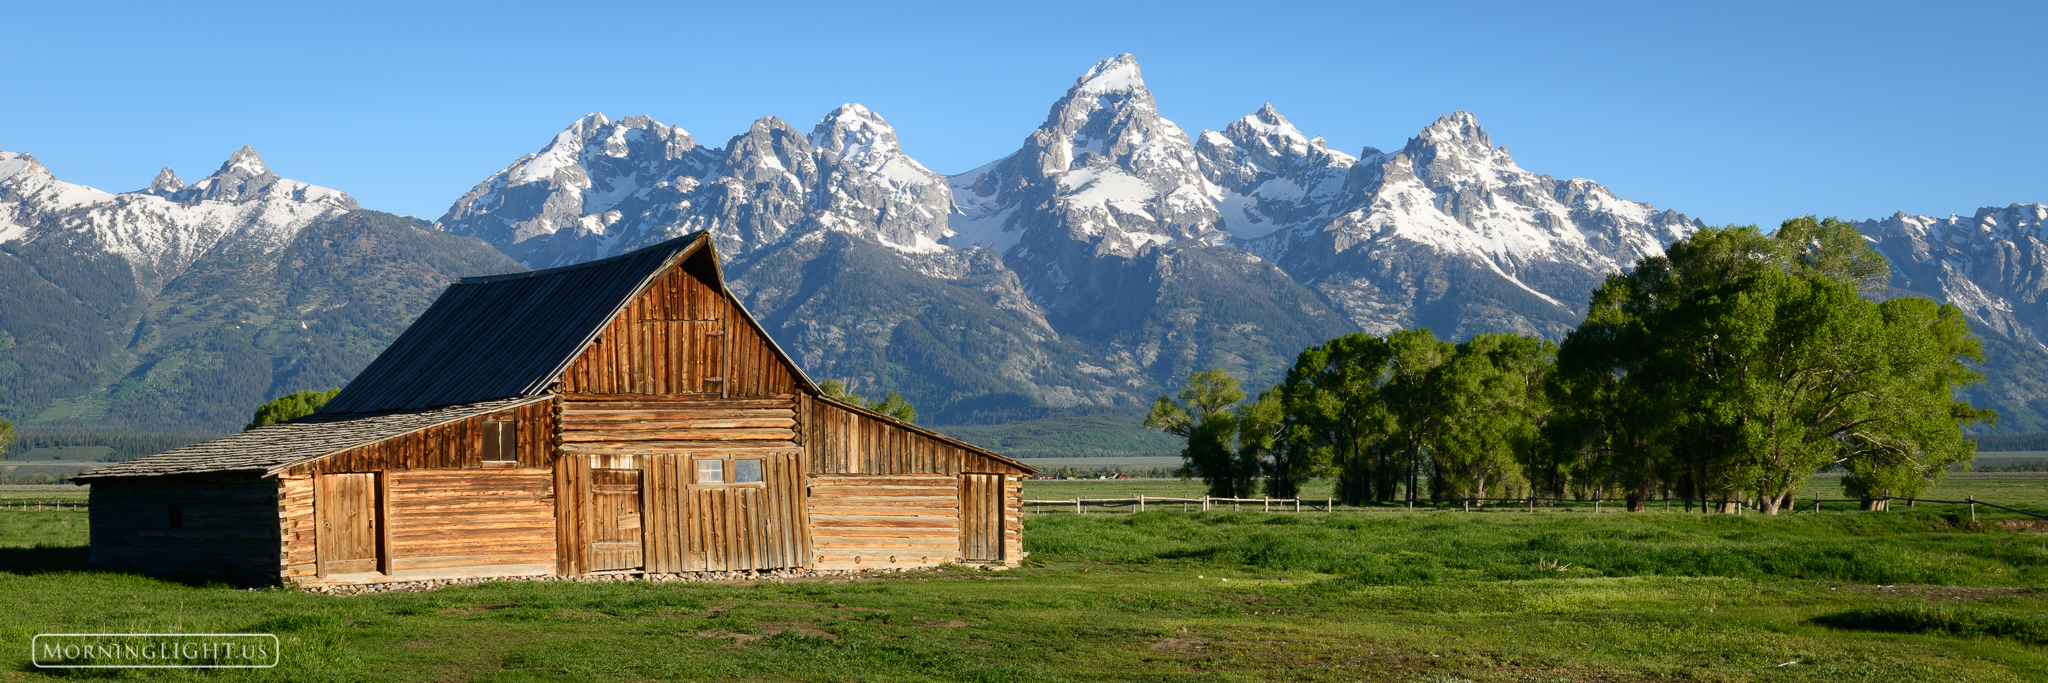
(162,230)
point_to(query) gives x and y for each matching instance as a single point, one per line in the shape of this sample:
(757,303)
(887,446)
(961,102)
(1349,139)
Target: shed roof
(503,336)
(266,450)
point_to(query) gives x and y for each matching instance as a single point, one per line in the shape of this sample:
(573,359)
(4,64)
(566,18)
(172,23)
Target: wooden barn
(624,415)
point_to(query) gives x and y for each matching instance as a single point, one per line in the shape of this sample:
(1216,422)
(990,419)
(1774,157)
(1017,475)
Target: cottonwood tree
(290,407)
(1417,404)
(1493,390)
(1337,419)
(893,406)
(1203,417)
(1755,362)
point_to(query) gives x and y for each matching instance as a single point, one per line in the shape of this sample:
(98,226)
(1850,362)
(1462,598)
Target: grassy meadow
(1913,595)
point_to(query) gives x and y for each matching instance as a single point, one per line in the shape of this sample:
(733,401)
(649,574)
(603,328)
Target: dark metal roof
(266,450)
(504,336)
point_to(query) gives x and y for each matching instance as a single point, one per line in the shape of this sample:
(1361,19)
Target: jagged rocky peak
(245,178)
(1269,175)
(1104,169)
(1270,140)
(869,186)
(165,184)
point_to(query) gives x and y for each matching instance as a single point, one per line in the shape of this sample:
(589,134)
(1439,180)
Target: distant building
(622,415)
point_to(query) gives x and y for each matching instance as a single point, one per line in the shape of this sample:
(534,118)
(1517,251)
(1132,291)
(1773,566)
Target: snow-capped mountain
(601,188)
(1448,232)
(1993,265)
(162,230)
(181,307)
(1269,176)
(1109,228)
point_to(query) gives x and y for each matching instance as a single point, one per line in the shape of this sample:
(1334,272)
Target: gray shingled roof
(501,336)
(265,450)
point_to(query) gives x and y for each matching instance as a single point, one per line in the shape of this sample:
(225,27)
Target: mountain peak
(1114,75)
(1456,127)
(165,184)
(243,163)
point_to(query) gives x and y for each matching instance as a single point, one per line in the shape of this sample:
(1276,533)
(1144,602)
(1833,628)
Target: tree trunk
(1769,504)
(1635,502)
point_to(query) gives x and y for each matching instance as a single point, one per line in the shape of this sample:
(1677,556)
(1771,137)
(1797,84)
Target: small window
(177,516)
(501,441)
(711,471)
(744,471)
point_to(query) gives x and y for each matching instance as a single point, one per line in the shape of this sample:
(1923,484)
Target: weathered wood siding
(869,521)
(454,445)
(427,475)
(681,336)
(472,518)
(227,528)
(635,424)
(684,526)
(882,491)
(845,441)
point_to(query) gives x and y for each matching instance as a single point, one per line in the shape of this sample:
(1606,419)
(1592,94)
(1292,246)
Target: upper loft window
(501,441)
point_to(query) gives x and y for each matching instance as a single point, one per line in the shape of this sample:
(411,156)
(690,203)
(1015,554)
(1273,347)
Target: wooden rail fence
(1136,504)
(42,506)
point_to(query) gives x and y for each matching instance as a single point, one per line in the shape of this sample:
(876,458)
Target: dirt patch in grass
(418,643)
(1962,593)
(475,609)
(2029,525)
(770,629)
(723,607)
(1181,646)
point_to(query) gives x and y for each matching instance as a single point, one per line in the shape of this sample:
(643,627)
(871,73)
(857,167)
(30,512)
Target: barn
(619,416)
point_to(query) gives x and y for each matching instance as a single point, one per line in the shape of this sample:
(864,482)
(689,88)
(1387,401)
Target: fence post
(1596,502)
(1330,504)
(1141,502)
(1205,503)
(1268,503)
(1532,503)
(1973,507)
(1077,506)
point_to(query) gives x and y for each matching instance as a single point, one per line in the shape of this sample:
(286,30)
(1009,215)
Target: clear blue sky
(1730,112)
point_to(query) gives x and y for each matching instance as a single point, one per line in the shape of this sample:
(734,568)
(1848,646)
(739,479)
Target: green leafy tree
(290,407)
(893,406)
(1740,364)
(1203,416)
(1337,421)
(1262,441)
(6,438)
(1493,392)
(1418,406)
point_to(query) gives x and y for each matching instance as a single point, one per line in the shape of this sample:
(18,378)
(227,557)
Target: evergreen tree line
(126,445)
(1733,367)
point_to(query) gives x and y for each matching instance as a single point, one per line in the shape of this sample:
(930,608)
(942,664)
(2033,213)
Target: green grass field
(1914,595)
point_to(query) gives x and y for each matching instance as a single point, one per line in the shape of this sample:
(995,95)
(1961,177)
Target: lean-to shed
(622,415)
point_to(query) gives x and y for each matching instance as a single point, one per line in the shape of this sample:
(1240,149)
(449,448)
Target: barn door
(615,520)
(346,540)
(744,511)
(981,517)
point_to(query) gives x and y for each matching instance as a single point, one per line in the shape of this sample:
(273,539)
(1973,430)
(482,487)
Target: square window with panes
(501,441)
(729,471)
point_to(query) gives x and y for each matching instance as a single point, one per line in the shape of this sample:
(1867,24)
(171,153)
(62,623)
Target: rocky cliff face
(1994,266)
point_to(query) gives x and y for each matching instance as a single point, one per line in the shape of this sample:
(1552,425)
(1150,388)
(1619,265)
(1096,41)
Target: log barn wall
(221,527)
(883,493)
(434,490)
